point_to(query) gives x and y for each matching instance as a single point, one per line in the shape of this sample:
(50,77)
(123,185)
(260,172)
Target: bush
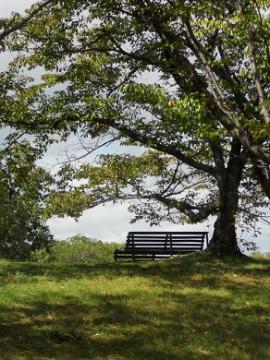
(41,255)
(77,250)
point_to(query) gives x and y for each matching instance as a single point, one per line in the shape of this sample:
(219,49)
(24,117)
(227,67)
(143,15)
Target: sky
(110,222)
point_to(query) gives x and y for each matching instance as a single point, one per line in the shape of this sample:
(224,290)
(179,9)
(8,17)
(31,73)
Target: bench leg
(153,256)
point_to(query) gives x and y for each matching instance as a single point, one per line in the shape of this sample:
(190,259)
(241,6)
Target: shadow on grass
(200,263)
(197,308)
(190,328)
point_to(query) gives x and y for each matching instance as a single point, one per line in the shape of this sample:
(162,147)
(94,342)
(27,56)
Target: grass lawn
(189,308)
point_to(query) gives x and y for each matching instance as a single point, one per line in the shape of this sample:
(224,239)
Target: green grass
(189,308)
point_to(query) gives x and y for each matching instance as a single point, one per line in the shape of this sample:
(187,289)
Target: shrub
(77,250)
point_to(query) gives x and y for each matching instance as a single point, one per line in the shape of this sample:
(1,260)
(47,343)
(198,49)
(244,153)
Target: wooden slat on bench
(168,232)
(162,252)
(142,238)
(150,241)
(158,247)
(161,238)
(161,244)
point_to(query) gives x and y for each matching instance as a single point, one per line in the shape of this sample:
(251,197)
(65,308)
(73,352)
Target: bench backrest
(166,241)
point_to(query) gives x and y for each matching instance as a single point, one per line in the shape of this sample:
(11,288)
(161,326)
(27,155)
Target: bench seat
(156,245)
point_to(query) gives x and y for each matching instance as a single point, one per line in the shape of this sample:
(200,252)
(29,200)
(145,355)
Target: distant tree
(80,249)
(178,77)
(24,187)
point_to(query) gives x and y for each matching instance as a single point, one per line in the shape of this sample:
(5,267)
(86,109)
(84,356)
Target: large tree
(174,76)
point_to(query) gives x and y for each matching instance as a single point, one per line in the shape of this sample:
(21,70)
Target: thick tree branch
(203,211)
(266,42)
(166,148)
(262,174)
(213,69)
(218,158)
(254,69)
(12,27)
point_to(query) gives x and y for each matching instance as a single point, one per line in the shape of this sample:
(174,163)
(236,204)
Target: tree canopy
(188,79)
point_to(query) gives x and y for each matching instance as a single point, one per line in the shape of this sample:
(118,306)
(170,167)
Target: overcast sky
(8,6)
(110,222)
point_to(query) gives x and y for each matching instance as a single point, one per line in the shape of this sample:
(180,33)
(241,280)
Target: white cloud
(6,7)
(110,223)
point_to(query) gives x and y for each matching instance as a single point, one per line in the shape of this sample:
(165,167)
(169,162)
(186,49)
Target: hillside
(189,308)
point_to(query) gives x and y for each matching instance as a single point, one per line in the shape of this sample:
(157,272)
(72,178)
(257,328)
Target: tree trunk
(224,239)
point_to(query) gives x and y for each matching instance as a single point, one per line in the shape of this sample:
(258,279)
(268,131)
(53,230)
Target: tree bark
(224,239)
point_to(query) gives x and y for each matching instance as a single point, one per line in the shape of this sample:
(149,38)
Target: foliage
(188,79)
(210,309)
(24,187)
(17,101)
(77,250)
(166,189)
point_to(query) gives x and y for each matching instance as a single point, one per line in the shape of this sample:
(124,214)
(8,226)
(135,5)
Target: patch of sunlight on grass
(194,307)
(205,291)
